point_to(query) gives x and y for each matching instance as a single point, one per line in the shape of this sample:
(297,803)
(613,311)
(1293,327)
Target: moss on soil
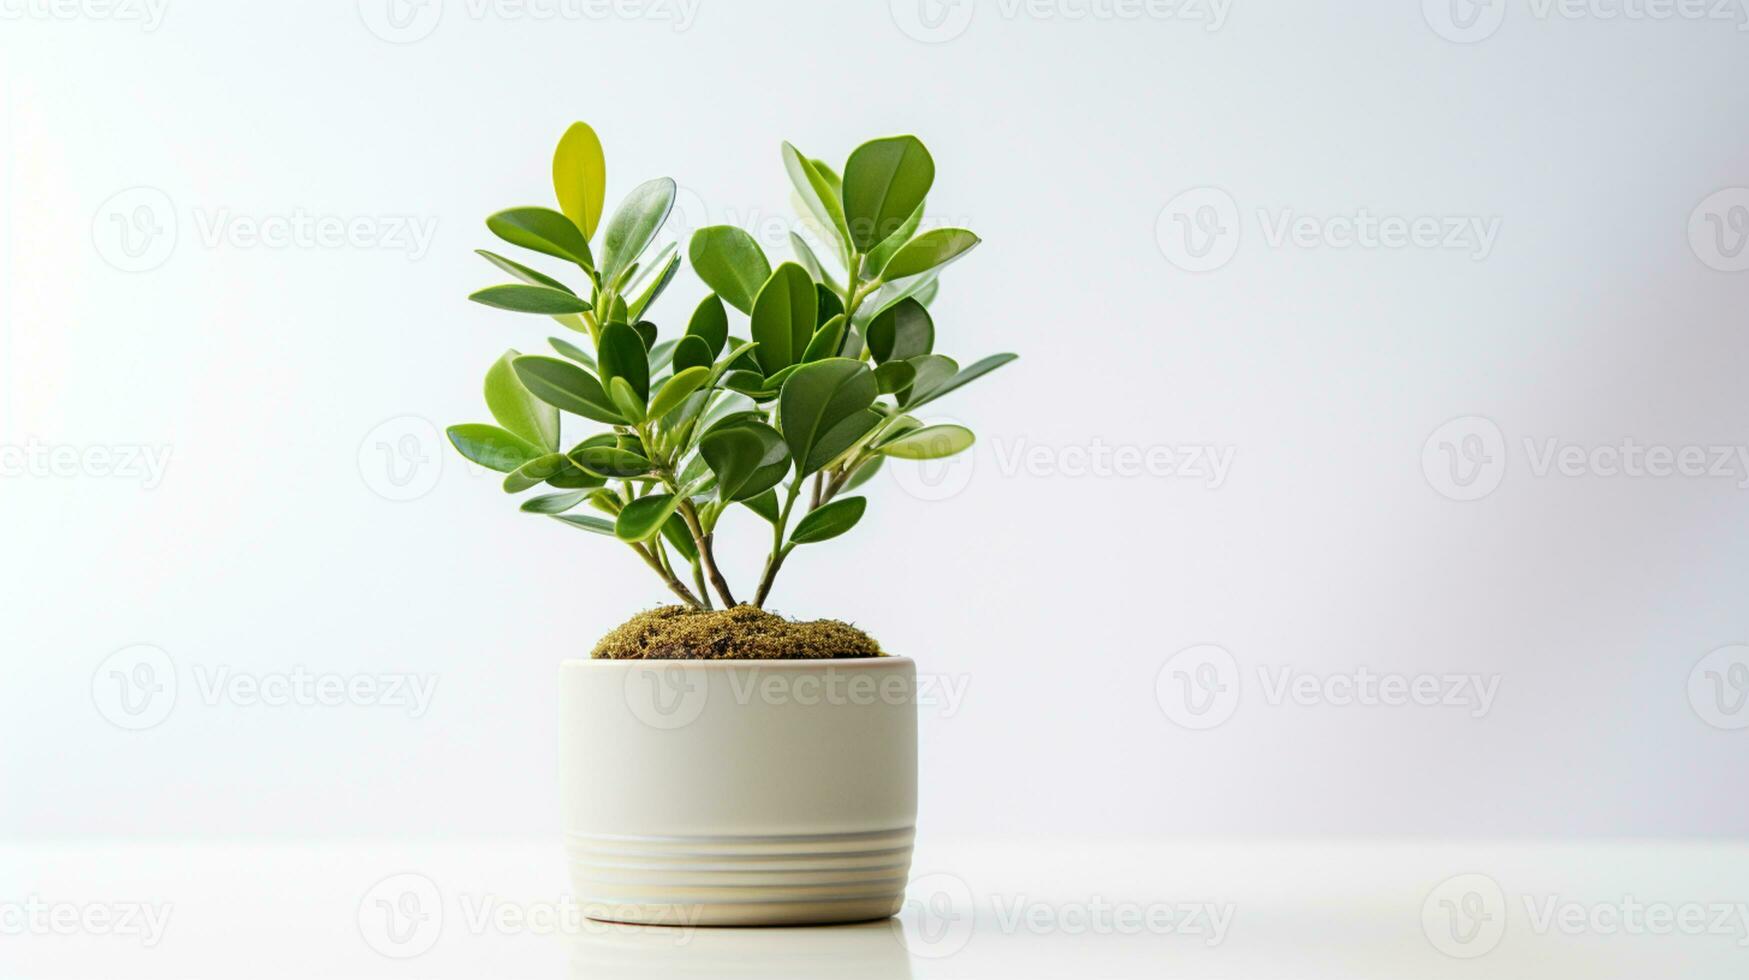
(741,633)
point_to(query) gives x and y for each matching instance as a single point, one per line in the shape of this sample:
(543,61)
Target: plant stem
(778,550)
(841,473)
(704,542)
(674,584)
(698,583)
(706,552)
(660,550)
(853,276)
(837,484)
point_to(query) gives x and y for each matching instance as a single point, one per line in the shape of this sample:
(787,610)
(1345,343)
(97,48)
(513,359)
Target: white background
(1053,593)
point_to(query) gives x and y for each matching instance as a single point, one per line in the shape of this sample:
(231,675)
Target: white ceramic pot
(737,792)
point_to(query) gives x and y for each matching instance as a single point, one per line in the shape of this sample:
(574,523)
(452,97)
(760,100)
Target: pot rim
(731,663)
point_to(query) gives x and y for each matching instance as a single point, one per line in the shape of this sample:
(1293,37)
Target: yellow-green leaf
(580,176)
(676,388)
(930,442)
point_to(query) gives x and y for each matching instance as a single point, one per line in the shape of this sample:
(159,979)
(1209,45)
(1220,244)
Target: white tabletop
(1010,908)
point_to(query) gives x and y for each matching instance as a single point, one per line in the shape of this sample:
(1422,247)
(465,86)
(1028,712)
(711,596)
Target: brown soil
(741,633)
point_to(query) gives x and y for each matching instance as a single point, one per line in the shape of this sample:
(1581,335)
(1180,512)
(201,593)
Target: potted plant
(721,764)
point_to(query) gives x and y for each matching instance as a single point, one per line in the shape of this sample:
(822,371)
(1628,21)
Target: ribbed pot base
(741,881)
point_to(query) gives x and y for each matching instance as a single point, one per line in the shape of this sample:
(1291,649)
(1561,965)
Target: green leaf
(522,298)
(824,408)
(816,192)
(784,317)
(641,271)
(580,176)
(930,442)
(536,472)
(890,294)
(643,517)
(885,181)
(730,262)
(692,351)
(730,405)
(566,387)
(657,285)
(710,323)
(896,428)
(765,505)
(575,478)
(749,383)
(627,400)
(894,377)
(934,249)
(542,230)
(554,503)
(830,176)
(677,534)
(676,388)
(646,332)
(587,523)
(741,350)
(610,462)
(572,321)
(598,439)
(829,303)
(748,458)
(865,472)
(709,511)
(852,346)
(921,395)
(775,381)
(829,521)
(634,225)
(622,354)
(616,313)
(811,262)
(698,473)
(516,409)
(903,331)
(661,356)
(880,254)
(827,340)
(492,447)
(533,277)
(573,352)
(932,371)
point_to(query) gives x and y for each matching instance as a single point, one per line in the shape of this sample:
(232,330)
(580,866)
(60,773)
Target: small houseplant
(788,387)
